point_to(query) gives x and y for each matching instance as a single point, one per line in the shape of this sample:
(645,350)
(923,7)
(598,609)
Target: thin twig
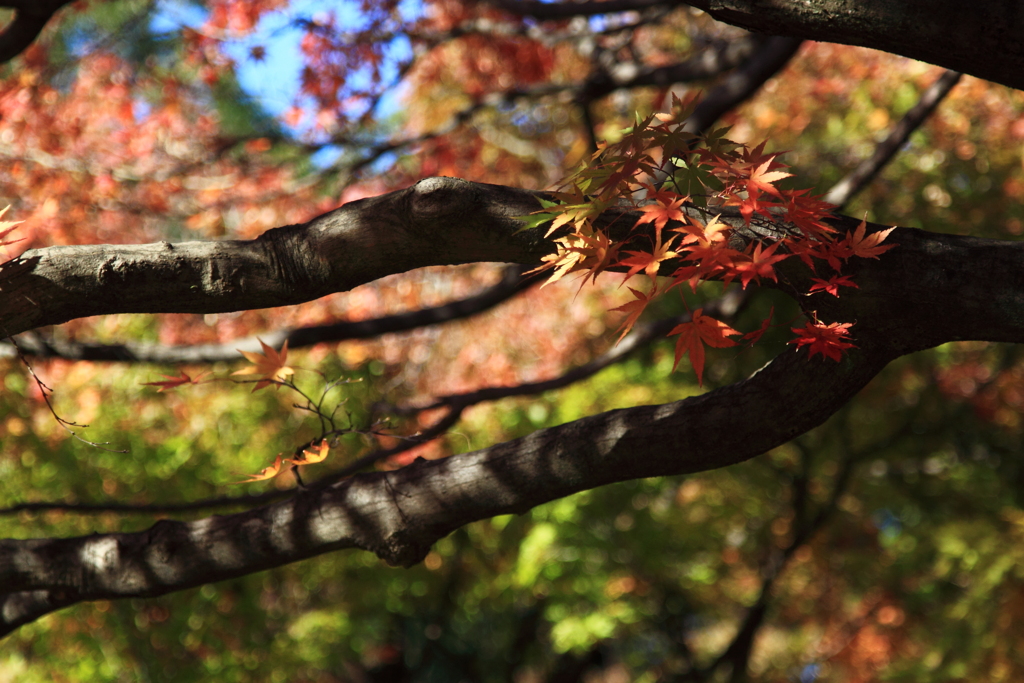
(512,282)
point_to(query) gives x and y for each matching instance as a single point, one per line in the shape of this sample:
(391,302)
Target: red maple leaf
(695,334)
(664,210)
(755,336)
(271,365)
(833,284)
(174,381)
(761,180)
(649,262)
(828,340)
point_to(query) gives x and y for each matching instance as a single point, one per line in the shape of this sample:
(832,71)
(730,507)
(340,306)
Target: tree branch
(987,33)
(512,282)
(440,221)
(706,64)
(725,308)
(399,514)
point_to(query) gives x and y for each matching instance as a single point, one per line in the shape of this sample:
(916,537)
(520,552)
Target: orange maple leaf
(600,254)
(661,212)
(867,246)
(311,457)
(265,473)
(174,381)
(648,261)
(695,334)
(828,340)
(762,180)
(709,251)
(634,309)
(269,365)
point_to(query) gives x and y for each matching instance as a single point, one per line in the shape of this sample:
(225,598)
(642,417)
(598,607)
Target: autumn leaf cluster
(687,196)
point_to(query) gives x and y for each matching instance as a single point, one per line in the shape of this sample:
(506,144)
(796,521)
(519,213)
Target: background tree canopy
(555,506)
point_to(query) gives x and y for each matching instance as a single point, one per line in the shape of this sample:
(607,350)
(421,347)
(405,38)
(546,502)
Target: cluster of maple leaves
(682,185)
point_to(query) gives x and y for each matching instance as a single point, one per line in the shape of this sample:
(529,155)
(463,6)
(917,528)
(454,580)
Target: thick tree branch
(987,43)
(399,514)
(438,221)
(443,221)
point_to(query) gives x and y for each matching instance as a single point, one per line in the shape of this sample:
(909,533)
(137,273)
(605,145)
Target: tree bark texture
(948,33)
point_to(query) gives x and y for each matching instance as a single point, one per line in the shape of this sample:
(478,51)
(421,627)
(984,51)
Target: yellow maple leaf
(265,473)
(311,457)
(270,365)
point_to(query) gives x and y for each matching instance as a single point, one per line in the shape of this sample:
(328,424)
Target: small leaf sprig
(270,368)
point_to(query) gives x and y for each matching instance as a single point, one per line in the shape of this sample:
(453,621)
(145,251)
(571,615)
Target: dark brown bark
(982,39)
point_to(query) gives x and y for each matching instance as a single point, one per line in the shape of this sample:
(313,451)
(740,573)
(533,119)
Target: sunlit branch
(34,344)
(400,514)
(843,191)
